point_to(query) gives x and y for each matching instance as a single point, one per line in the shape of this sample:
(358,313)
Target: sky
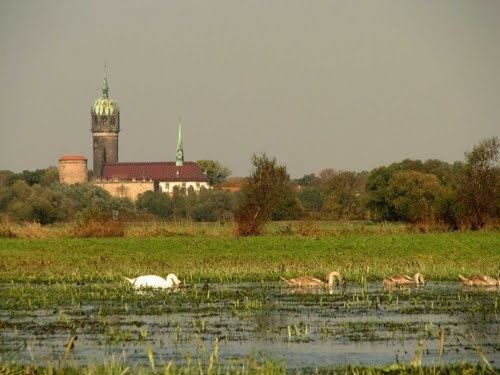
(349,85)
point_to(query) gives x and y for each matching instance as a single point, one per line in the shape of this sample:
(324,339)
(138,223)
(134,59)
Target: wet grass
(57,292)
(111,318)
(439,256)
(248,366)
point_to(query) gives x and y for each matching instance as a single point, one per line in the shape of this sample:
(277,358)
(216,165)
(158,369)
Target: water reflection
(360,324)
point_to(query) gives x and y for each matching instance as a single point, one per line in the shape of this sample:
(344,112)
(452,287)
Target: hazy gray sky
(339,84)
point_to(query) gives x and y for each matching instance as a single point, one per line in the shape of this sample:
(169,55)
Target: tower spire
(105,87)
(179,154)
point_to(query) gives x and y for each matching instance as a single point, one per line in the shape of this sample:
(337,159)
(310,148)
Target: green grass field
(359,257)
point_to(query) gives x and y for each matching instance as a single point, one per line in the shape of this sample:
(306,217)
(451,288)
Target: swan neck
(331,277)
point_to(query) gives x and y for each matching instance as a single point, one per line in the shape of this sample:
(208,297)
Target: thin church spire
(179,155)
(105,87)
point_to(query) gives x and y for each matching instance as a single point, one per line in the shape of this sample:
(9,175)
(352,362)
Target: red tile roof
(156,171)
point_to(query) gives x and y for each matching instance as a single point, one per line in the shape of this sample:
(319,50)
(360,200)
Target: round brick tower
(72,169)
(105,128)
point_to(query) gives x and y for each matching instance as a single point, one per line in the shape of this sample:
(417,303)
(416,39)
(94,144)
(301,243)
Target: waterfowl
(400,280)
(153,281)
(479,280)
(313,282)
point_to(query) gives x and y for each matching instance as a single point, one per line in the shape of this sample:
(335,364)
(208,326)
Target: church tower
(105,127)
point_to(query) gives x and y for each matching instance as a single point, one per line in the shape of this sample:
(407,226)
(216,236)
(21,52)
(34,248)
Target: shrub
(156,203)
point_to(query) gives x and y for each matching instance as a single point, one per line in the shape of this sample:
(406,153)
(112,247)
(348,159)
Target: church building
(127,179)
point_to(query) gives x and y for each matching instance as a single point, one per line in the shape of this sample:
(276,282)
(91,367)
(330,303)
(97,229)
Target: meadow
(65,306)
(199,257)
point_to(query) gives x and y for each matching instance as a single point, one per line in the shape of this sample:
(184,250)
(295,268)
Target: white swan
(153,281)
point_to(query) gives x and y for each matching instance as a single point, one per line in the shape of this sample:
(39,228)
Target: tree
(213,205)
(215,171)
(49,176)
(266,189)
(413,195)
(478,184)
(325,174)
(36,203)
(5,175)
(40,176)
(447,207)
(377,198)
(19,190)
(306,180)
(311,199)
(342,191)
(291,207)
(446,172)
(20,210)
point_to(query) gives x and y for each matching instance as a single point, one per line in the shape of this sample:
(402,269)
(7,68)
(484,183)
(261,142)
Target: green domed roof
(105,105)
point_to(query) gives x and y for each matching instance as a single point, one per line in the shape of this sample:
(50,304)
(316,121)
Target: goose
(153,281)
(313,282)
(400,280)
(479,280)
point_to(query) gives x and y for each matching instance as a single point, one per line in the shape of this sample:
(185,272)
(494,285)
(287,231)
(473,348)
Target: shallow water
(355,325)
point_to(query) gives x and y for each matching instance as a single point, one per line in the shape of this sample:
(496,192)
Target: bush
(122,208)
(156,203)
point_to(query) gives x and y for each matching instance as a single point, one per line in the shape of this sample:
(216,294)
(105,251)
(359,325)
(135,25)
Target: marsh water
(356,324)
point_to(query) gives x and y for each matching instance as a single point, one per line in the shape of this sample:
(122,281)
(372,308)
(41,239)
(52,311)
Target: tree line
(456,195)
